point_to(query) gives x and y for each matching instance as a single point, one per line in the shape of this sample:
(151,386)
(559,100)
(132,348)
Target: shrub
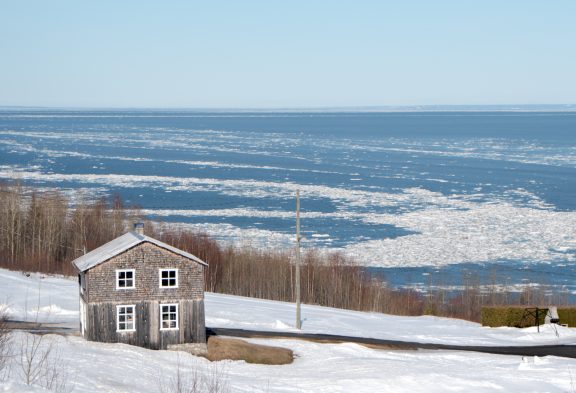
(522,316)
(190,376)
(4,341)
(567,315)
(513,316)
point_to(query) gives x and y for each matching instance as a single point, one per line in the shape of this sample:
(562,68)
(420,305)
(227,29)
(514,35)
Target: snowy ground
(96,367)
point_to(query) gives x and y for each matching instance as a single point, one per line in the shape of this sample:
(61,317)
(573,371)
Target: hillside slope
(96,367)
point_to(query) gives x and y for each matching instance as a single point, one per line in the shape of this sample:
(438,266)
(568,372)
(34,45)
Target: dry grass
(220,348)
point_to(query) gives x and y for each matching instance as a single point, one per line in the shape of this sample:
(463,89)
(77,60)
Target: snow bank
(55,300)
(36,297)
(96,367)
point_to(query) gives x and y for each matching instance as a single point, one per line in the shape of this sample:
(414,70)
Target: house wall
(101,324)
(101,298)
(146,259)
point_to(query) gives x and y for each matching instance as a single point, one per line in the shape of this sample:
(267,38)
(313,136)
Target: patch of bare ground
(220,348)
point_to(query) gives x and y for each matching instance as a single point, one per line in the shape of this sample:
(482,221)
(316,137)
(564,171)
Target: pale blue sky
(286,53)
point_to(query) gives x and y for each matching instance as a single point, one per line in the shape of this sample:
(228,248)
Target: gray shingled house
(140,291)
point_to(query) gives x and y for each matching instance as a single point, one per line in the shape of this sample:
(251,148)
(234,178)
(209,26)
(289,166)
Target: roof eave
(135,241)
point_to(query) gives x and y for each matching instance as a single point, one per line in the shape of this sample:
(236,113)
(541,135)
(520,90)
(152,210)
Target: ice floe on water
(241,237)
(396,190)
(477,233)
(499,149)
(50,153)
(445,229)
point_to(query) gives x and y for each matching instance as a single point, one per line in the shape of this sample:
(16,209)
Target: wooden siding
(147,259)
(101,324)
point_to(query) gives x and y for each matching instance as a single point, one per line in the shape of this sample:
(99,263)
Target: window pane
(169,316)
(126,318)
(168,278)
(125,279)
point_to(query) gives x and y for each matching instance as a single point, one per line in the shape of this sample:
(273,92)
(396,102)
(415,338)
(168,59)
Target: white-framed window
(168,278)
(125,279)
(168,316)
(125,318)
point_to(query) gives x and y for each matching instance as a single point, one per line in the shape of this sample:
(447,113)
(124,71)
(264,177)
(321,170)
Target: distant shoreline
(351,109)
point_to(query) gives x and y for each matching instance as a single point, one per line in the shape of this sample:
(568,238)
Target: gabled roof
(121,244)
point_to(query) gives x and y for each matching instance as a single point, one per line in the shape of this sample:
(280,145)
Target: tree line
(43,231)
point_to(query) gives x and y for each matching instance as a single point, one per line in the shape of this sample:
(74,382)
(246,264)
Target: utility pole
(297,278)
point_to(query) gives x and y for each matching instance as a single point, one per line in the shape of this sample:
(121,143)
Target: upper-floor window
(168,278)
(125,279)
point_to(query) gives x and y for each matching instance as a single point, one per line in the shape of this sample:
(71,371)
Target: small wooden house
(140,291)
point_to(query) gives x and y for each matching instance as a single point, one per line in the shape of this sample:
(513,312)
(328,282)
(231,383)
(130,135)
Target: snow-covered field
(97,367)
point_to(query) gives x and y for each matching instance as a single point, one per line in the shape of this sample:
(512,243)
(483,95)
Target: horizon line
(350,108)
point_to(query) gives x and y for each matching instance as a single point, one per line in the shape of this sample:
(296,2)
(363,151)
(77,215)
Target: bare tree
(12,220)
(33,358)
(5,342)
(193,378)
(40,362)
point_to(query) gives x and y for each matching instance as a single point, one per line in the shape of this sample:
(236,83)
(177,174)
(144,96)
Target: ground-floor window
(168,316)
(125,320)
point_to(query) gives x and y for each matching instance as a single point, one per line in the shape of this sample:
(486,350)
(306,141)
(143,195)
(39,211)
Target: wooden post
(297,274)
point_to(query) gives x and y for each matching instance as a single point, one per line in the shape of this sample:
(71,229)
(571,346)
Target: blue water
(236,173)
(507,276)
